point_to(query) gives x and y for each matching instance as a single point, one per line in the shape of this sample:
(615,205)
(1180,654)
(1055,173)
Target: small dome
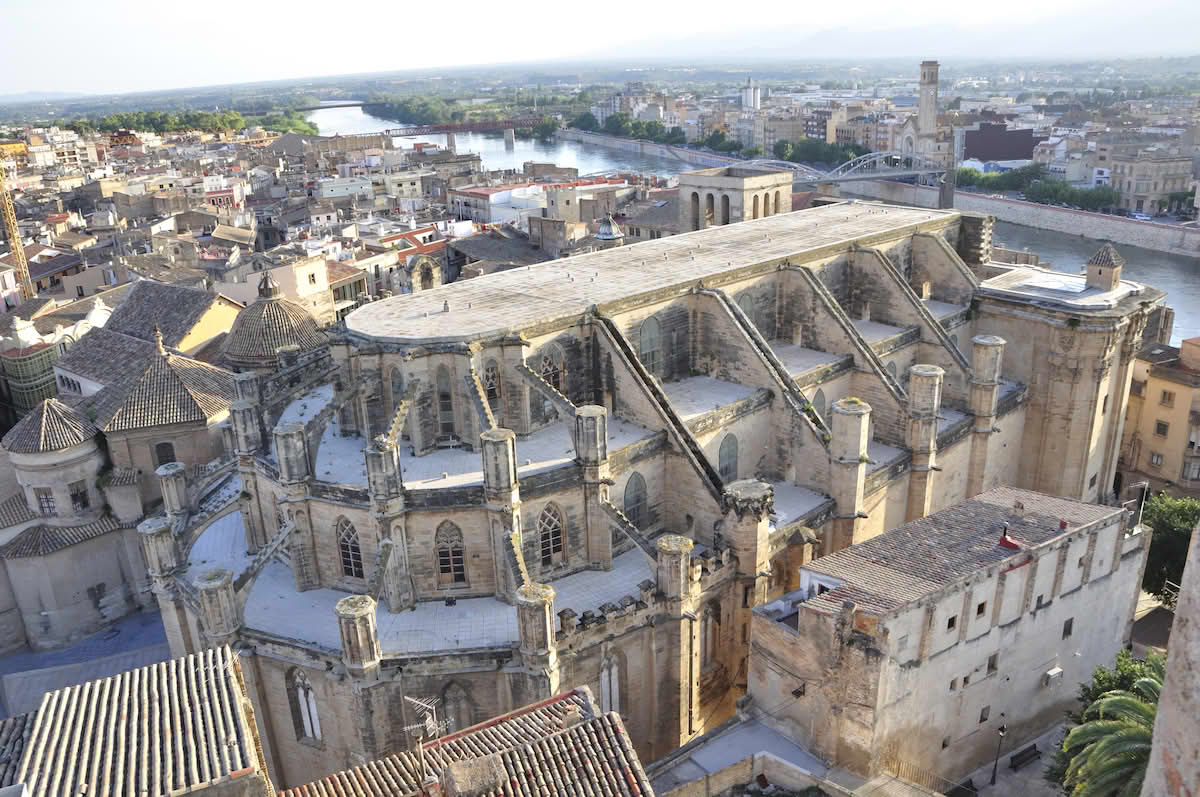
(609,231)
(267,323)
(51,426)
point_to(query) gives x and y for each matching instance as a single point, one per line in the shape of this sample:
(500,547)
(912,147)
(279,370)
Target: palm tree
(1109,751)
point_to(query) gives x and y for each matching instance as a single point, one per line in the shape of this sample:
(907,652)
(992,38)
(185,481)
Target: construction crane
(14,237)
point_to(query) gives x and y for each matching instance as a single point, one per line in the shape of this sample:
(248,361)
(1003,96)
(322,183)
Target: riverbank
(646,149)
(1169,238)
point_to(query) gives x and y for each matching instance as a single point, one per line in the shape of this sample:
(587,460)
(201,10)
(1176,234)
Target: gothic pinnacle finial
(158,340)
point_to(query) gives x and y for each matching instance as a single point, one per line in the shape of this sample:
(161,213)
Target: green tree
(655,131)
(783,150)
(637,129)
(619,124)
(1171,521)
(1125,673)
(752,152)
(675,137)
(1109,751)
(545,129)
(585,121)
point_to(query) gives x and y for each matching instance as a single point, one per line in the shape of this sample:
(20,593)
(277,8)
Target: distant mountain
(38,96)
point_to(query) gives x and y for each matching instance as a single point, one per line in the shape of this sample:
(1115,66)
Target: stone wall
(1148,235)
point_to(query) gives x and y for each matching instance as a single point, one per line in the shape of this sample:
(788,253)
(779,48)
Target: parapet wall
(1148,235)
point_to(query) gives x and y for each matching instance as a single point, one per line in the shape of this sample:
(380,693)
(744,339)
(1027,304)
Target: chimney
(1007,541)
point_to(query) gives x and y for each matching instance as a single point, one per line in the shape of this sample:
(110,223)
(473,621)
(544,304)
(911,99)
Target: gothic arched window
(550,535)
(610,684)
(724,208)
(650,346)
(891,369)
(746,303)
(452,567)
(491,385)
(445,404)
(754,205)
(304,706)
(635,500)
(459,710)
(728,459)
(397,380)
(776,201)
(818,403)
(710,634)
(554,369)
(352,565)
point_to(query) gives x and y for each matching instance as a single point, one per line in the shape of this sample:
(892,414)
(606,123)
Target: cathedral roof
(266,324)
(1107,256)
(563,741)
(50,426)
(170,389)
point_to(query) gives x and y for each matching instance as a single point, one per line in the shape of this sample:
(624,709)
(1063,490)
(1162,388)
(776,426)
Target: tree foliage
(160,122)
(1012,180)
(1171,521)
(815,150)
(1109,751)
(585,121)
(545,129)
(619,124)
(1125,673)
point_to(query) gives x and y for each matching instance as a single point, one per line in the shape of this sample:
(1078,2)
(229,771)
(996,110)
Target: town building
(590,471)
(911,649)
(1162,421)
(71,558)
(1151,180)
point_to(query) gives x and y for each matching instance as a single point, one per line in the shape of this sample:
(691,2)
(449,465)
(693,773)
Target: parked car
(1140,217)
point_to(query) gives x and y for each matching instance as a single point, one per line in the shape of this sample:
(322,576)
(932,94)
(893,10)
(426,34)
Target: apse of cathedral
(590,471)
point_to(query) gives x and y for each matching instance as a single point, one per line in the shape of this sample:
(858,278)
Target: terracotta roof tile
(1107,256)
(41,539)
(533,752)
(14,734)
(50,426)
(99,738)
(13,510)
(265,325)
(172,389)
(913,560)
(173,309)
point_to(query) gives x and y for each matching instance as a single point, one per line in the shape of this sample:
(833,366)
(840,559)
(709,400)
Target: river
(588,158)
(1175,274)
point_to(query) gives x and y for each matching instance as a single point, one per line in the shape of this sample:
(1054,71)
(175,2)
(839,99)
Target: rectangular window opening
(952,622)
(1068,628)
(981,609)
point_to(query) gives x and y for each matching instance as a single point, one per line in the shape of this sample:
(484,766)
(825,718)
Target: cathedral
(590,471)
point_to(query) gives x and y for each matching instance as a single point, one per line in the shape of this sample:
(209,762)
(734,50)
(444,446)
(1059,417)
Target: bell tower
(927,108)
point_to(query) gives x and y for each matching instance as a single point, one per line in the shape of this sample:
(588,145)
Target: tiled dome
(266,324)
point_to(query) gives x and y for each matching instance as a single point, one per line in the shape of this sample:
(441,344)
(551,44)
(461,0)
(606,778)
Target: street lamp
(999,741)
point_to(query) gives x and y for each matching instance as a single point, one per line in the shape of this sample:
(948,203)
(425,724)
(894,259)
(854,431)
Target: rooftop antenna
(426,708)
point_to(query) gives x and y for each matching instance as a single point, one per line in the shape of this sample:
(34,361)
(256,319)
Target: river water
(588,158)
(1175,274)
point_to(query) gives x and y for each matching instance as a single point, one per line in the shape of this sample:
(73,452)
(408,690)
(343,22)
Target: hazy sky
(134,45)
